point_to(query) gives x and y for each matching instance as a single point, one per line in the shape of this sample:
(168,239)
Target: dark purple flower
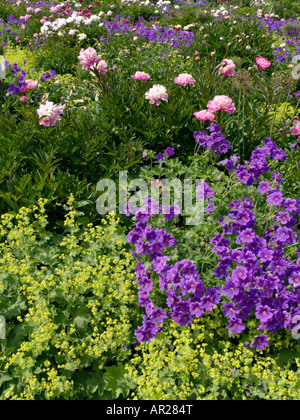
(160,157)
(260,342)
(263,313)
(236,326)
(170,151)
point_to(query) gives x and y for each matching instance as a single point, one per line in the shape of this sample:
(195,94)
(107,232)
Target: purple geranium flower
(260,342)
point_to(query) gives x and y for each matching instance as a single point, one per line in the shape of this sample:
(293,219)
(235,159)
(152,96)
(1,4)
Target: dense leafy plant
(69,302)
(160,90)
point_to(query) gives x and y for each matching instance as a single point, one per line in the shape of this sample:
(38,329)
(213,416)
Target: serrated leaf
(82,317)
(116,382)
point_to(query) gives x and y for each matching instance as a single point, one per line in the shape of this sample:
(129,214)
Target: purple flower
(158,315)
(246,236)
(160,157)
(260,342)
(264,187)
(170,151)
(236,326)
(215,141)
(282,234)
(283,217)
(210,207)
(277,177)
(204,191)
(275,197)
(171,212)
(230,310)
(263,313)
(196,309)
(240,273)
(266,254)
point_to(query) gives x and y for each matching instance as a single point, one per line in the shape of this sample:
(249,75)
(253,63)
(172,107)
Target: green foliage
(68,302)
(196,362)
(69,306)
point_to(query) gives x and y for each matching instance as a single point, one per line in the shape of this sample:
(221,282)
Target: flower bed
(149,184)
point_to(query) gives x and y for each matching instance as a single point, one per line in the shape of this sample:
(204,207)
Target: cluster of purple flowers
(253,169)
(203,192)
(262,279)
(215,141)
(184,292)
(15,88)
(48,75)
(21,78)
(281,53)
(159,34)
(170,151)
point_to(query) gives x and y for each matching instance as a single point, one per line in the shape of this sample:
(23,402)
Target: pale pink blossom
(88,58)
(184,79)
(30,85)
(101,67)
(296,129)
(156,94)
(156,183)
(263,63)
(141,75)
(204,115)
(51,112)
(227,68)
(221,103)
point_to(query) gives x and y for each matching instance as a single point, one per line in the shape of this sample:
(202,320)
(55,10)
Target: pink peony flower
(204,115)
(140,75)
(227,68)
(221,103)
(156,94)
(88,58)
(51,112)
(30,85)
(23,99)
(184,79)
(101,67)
(296,129)
(262,62)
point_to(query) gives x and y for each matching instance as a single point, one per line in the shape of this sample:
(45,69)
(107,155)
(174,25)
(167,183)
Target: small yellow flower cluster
(191,362)
(68,302)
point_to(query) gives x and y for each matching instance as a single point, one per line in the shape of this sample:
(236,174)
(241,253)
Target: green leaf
(96,383)
(284,357)
(16,335)
(117,382)
(82,317)
(4,378)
